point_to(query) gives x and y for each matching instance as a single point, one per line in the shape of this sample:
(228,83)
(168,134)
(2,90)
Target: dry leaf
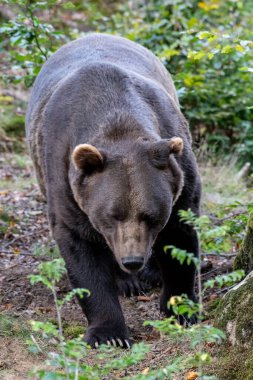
(192,375)
(4,192)
(144,298)
(145,371)
(16,251)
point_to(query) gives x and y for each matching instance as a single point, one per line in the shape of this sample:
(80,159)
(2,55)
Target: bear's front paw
(100,335)
(128,285)
(150,277)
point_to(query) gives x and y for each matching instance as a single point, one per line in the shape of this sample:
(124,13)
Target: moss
(13,326)
(244,259)
(73,331)
(12,126)
(211,308)
(235,364)
(234,314)
(12,122)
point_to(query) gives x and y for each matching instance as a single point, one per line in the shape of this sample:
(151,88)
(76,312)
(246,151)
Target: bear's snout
(133,263)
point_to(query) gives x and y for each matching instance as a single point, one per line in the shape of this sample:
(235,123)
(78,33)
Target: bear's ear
(87,158)
(161,150)
(176,145)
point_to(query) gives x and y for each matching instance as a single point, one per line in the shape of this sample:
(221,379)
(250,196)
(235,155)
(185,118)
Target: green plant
(67,358)
(31,40)
(211,63)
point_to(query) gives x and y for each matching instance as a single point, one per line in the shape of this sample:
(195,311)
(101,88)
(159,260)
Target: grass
(220,183)
(15,359)
(11,326)
(17,172)
(18,160)
(20,184)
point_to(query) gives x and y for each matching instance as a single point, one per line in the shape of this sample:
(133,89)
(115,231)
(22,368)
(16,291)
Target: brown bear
(112,154)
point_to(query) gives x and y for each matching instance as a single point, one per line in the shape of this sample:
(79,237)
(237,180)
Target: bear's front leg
(177,278)
(91,267)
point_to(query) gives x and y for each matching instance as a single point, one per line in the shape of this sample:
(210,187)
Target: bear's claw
(115,342)
(95,338)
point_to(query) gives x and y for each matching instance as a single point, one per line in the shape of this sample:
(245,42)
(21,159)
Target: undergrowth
(67,359)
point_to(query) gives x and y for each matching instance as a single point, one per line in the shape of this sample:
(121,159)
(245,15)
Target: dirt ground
(26,242)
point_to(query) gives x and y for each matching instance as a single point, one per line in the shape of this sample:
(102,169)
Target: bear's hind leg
(177,278)
(150,276)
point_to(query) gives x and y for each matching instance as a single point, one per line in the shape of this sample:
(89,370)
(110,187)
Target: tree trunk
(244,260)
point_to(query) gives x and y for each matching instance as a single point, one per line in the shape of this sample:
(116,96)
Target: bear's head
(128,192)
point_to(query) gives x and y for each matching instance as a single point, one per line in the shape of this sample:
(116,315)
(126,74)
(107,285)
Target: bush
(205,57)
(210,61)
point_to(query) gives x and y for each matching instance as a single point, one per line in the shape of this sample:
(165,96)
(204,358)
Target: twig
(44,53)
(243,173)
(209,272)
(225,289)
(3,251)
(219,221)
(220,254)
(22,236)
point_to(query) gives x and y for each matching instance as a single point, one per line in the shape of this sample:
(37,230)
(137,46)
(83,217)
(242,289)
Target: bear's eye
(150,219)
(118,216)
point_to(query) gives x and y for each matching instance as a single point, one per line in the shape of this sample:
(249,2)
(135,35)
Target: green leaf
(227,49)
(69,5)
(205,35)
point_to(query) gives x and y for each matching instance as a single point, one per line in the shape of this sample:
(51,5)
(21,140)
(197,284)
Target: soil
(26,241)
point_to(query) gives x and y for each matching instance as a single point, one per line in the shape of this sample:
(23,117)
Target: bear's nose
(133,263)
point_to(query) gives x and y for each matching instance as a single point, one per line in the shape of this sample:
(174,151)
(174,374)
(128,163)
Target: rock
(234,313)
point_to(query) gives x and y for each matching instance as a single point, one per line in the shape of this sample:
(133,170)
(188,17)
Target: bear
(113,158)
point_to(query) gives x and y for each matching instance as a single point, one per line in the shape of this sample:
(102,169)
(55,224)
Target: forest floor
(26,242)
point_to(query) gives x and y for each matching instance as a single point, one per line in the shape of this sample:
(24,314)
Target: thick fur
(117,97)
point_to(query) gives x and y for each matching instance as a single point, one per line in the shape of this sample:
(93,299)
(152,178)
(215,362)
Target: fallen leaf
(144,298)
(145,371)
(4,192)
(16,251)
(6,306)
(6,99)
(192,375)
(35,212)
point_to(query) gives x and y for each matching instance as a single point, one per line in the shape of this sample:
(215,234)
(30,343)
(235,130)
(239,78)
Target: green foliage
(198,335)
(226,279)
(221,234)
(182,305)
(182,256)
(66,360)
(31,40)
(211,63)
(49,273)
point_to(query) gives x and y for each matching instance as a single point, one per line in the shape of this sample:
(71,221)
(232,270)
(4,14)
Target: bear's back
(96,48)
